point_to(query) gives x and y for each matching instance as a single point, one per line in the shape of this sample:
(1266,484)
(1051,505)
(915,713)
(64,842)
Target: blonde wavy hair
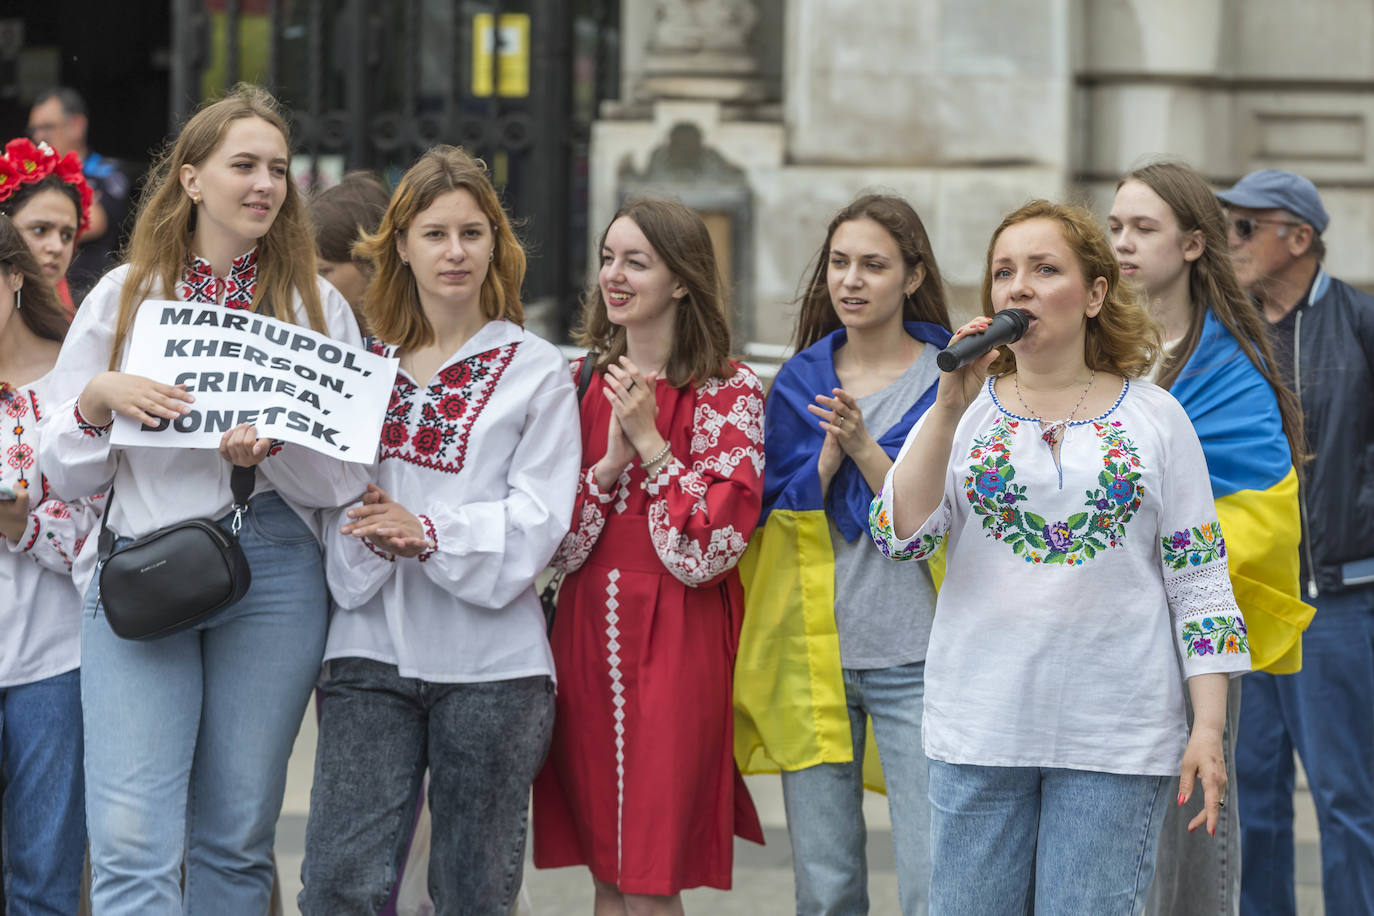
(391,304)
(160,247)
(1121,337)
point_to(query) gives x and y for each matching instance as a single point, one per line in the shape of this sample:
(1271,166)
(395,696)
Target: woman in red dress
(640,784)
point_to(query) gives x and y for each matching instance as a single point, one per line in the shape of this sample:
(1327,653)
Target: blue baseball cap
(1276,188)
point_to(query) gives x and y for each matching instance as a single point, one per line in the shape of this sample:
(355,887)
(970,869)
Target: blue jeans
(1008,841)
(44,817)
(825,818)
(1326,713)
(482,742)
(187,737)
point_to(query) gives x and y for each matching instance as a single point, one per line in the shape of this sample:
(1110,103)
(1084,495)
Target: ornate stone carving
(690,26)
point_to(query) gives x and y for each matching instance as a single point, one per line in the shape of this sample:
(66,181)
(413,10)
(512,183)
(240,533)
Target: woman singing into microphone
(1085,566)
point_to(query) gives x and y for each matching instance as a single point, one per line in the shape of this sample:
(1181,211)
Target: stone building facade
(769,115)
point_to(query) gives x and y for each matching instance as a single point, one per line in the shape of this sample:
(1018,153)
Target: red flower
(394,434)
(427,440)
(9,178)
(33,162)
(456,376)
(452,406)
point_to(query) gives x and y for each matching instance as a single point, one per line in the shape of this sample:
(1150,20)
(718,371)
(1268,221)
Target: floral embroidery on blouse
(1217,635)
(994,495)
(199,283)
(1194,546)
(430,427)
(880,527)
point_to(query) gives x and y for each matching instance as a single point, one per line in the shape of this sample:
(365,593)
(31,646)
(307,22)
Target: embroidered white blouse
(487,456)
(1075,593)
(155,487)
(40,608)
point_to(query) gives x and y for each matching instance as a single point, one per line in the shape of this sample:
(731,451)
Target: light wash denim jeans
(1009,841)
(44,819)
(825,819)
(1325,712)
(1198,874)
(187,737)
(482,742)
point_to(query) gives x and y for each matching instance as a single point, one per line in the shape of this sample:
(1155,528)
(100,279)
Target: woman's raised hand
(134,396)
(841,417)
(387,524)
(959,388)
(631,394)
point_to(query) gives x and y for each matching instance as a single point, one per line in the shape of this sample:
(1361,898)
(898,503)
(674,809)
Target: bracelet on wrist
(651,466)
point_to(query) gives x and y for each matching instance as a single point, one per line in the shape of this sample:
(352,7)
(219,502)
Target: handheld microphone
(1007,327)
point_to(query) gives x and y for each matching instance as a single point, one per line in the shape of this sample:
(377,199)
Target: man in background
(58,117)
(1323,335)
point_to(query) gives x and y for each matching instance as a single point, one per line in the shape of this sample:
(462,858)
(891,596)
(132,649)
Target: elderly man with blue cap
(1323,335)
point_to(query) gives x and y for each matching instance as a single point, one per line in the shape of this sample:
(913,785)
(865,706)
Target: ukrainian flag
(790,710)
(1255,486)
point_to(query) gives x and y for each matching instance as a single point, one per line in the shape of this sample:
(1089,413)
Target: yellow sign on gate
(510,43)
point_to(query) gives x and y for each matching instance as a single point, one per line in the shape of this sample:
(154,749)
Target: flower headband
(27,163)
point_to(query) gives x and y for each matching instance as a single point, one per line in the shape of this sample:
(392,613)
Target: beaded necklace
(1050,429)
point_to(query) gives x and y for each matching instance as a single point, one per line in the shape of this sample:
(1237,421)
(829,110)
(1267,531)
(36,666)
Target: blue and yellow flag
(790,710)
(1255,487)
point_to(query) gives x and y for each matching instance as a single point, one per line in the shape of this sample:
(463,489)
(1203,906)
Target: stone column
(699,49)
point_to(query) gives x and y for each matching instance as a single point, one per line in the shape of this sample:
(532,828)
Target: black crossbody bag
(177,576)
(549,596)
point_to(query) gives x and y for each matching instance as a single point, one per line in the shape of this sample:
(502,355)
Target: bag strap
(241,483)
(584,375)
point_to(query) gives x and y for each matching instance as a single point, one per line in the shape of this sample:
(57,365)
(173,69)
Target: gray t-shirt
(883,610)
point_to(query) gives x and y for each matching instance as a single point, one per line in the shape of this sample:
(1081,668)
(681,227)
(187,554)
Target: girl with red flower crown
(641,785)
(40,611)
(49,201)
(437,657)
(187,736)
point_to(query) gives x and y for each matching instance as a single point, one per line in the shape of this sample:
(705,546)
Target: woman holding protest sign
(187,736)
(437,657)
(40,610)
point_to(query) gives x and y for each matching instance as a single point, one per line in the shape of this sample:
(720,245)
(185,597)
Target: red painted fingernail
(1191,829)
(1180,798)
(1213,831)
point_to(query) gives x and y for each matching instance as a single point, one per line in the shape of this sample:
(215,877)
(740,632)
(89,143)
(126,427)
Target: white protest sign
(290,382)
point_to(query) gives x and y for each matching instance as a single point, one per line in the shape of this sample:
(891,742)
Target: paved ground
(763,874)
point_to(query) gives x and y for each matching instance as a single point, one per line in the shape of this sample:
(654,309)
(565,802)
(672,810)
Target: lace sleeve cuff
(1208,624)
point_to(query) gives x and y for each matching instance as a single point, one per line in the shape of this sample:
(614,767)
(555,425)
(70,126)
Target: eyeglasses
(1244,226)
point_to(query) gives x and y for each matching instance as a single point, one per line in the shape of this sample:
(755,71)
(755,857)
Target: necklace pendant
(1051,435)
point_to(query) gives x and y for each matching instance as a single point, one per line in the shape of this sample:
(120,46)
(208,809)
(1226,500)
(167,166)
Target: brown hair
(818,317)
(41,312)
(392,301)
(26,193)
(342,214)
(1121,337)
(1212,285)
(160,246)
(700,348)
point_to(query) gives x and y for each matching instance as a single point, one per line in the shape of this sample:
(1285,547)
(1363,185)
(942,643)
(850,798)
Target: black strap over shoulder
(584,376)
(242,480)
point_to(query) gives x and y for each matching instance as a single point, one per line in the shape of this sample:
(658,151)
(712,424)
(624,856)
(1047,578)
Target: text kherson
(287,381)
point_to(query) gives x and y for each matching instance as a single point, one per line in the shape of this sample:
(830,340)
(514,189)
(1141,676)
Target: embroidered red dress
(640,784)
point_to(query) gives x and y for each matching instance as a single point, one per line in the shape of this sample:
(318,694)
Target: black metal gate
(372,83)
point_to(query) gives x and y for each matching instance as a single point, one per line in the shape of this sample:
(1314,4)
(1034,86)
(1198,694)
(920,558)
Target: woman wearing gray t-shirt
(834,636)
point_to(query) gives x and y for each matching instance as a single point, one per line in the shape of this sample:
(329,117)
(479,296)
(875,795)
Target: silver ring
(839,420)
(1221,803)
